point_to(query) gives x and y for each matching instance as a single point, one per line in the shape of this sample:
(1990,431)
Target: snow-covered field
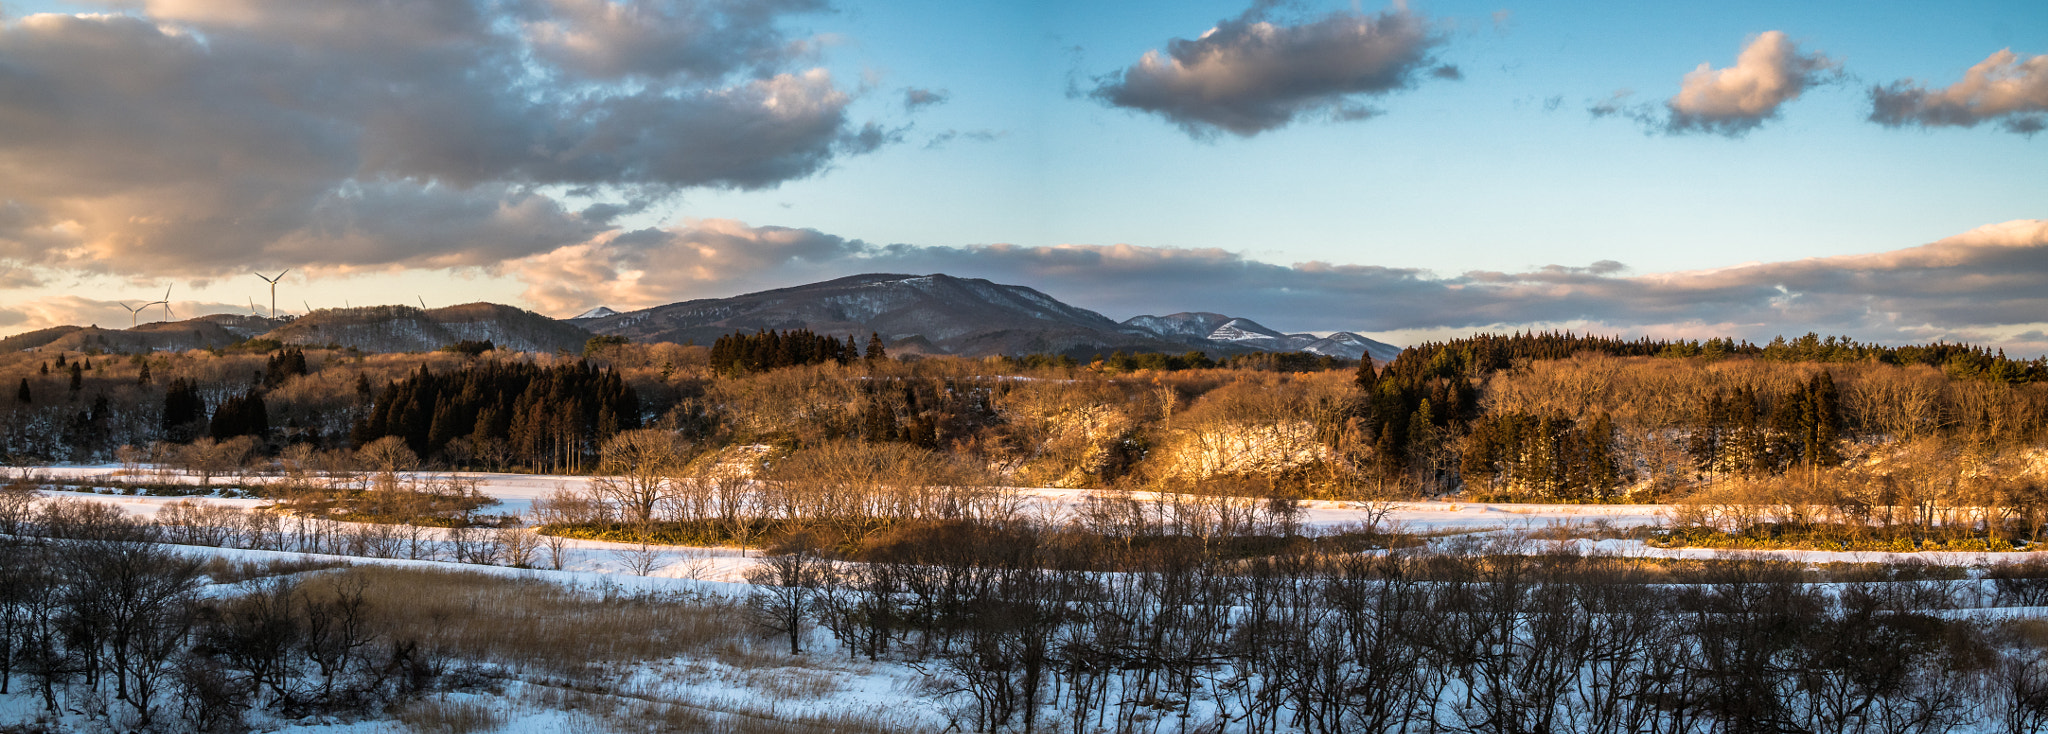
(516,493)
(823,685)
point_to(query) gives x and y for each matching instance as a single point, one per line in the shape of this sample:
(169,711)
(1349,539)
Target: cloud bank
(192,138)
(1732,101)
(2006,88)
(1981,286)
(1249,74)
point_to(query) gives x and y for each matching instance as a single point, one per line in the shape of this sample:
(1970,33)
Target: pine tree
(182,406)
(77,377)
(22,395)
(876,352)
(1820,421)
(142,376)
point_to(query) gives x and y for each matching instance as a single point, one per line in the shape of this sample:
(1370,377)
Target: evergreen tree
(77,377)
(182,407)
(1368,378)
(22,395)
(284,365)
(876,351)
(1820,421)
(241,415)
(142,376)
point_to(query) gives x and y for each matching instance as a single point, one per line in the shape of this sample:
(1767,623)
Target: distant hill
(408,329)
(916,314)
(930,314)
(942,314)
(37,338)
(370,329)
(1200,329)
(217,330)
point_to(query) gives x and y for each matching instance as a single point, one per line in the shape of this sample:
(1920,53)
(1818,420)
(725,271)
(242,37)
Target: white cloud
(2006,87)
(1732,101)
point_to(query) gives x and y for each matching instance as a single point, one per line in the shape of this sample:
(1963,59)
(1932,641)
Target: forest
(1807,439)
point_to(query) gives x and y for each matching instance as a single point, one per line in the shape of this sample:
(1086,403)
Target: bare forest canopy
(1861,430)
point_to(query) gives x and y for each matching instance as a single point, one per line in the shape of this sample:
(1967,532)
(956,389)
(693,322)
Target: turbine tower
(133,311)
(167,303)
(273,289)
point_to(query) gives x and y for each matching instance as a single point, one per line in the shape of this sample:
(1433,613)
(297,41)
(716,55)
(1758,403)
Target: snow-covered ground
(874,692)
(516,493)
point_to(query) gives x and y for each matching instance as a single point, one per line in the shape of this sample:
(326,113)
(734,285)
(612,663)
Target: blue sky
(1502,170)
(1453,176)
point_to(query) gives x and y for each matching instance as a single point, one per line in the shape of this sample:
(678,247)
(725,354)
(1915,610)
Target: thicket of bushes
(1475,637)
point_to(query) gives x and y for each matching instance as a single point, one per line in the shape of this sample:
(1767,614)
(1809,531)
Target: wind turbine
(273,289)
(133,311)
(166,303)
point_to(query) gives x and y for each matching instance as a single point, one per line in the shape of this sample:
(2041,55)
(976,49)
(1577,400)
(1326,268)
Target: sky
(1406,171)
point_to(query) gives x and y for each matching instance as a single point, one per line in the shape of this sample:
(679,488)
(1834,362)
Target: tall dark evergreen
(1820,421)
(142,374)
(770,350)
(183,408)
(876,350)
(551,418)
(284,365)
(77,377)
(241,415)
(22,395)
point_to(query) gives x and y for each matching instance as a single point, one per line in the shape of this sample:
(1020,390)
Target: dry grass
(593,713)
(226,571)
(531,625)
(443,716)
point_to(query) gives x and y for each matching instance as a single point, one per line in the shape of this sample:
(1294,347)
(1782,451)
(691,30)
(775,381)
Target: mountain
(932,314)
(593,314)
(941,314)
(1202,330)
(217,330)
(408,329)
(370,329)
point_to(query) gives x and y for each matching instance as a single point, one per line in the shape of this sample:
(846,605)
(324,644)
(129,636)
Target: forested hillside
(1543,417)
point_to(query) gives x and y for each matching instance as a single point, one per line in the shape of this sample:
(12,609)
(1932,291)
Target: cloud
(2007,88)
(940,139)
(656,266)
(1735,100)
(1249,74)
(195,137)
(704,40)
(1982,285)
(915,99)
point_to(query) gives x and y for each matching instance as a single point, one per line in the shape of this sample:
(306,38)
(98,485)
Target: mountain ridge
(943,314)
(933,314)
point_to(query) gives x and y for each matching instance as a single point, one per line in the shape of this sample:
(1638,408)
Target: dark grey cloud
(189,137)
(1252,74)
(940,139)
(1983,285)
(705,39)
(915,99)
(2006,88)
(1732,101)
